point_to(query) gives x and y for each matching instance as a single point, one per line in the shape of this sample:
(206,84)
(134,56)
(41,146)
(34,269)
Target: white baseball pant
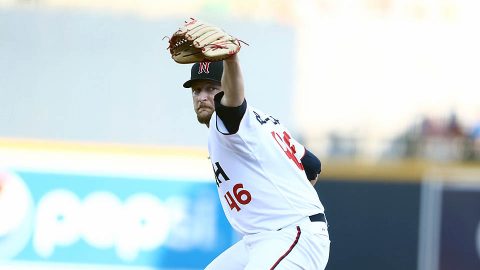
(302,245)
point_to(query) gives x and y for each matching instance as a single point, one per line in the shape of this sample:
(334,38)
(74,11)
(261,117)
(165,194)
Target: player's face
(203,104)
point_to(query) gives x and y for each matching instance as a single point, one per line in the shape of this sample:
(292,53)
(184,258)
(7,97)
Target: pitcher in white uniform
(264,177)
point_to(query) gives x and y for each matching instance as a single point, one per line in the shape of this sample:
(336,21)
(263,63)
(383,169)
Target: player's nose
(203,95)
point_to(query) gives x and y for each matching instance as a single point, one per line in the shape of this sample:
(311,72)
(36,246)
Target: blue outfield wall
(459,235)
(403,225)
(372,225)
(74,220)
(110,221)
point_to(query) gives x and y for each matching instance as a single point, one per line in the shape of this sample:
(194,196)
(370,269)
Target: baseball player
(264,176)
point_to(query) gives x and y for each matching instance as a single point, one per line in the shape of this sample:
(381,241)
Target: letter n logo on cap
(203,67)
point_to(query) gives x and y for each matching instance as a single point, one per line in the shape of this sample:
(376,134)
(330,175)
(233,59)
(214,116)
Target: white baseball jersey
(261,181)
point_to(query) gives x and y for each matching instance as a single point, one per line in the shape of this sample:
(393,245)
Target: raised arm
(232,82)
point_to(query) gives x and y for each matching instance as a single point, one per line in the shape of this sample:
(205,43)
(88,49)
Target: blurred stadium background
(103,166)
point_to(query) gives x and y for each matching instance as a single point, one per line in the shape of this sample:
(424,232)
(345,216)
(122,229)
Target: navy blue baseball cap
(211,71)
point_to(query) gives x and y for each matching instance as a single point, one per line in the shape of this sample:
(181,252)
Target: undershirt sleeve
(311,164)
(230,116)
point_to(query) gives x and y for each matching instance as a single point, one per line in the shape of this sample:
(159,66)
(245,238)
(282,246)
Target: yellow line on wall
(395,171)
(95,147)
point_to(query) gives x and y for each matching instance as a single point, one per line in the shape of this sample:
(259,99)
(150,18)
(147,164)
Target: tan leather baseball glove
(197,41)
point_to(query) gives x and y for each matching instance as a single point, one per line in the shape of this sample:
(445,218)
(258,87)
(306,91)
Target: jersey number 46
(240,195)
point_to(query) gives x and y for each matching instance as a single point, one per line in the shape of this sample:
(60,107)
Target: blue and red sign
(75,219)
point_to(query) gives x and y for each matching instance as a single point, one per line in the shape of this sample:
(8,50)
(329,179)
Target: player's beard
(204,115)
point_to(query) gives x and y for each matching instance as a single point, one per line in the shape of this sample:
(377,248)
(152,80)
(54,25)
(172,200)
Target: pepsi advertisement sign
(108,221)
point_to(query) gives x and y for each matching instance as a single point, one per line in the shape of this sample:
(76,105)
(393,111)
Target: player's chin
(204,116)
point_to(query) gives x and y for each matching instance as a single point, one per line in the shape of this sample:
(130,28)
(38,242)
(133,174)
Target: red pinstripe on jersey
(299,232)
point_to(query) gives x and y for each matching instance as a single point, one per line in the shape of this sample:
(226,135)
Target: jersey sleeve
(230,116)
(311,164)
